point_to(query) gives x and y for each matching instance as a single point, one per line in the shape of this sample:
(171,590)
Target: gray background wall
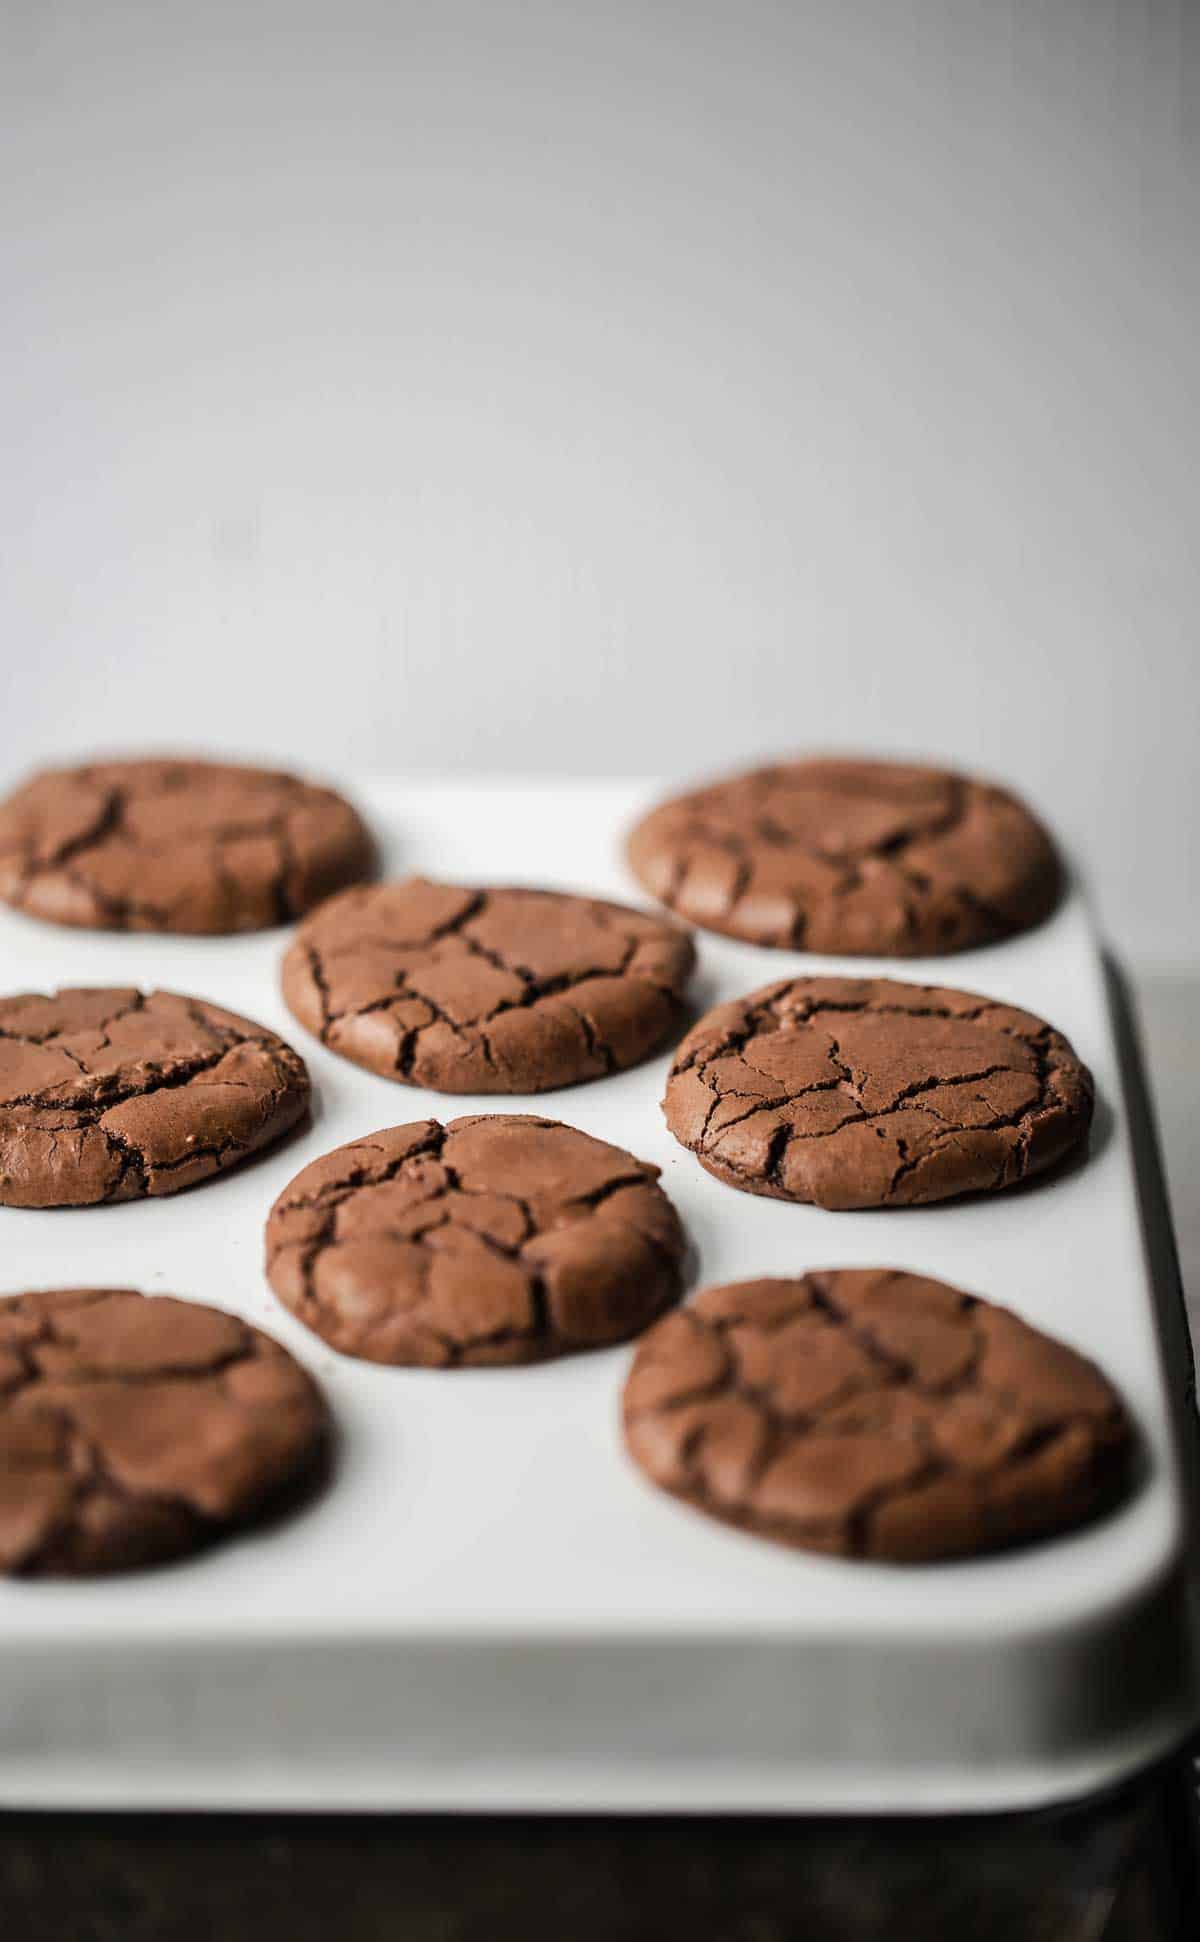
(613,387)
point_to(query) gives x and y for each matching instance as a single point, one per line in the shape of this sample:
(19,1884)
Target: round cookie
(115,1094)
(462,989)
(162,845)
(873,1414)
(864,1092)
(499,1238)
(135,1429)
(850,857)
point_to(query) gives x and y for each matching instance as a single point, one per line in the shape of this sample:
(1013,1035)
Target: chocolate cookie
(479,990)
(850,857)
(133,1430)
(873,1414)
(162,845)
(498,1238)
(863,1092)
(112,1094)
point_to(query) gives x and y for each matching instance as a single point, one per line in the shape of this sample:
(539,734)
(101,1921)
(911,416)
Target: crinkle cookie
(865,1092)
(499,1238)
(135,1429)
(162,845)
(873,1414)
(463,989)
(114,1094)
(850,857)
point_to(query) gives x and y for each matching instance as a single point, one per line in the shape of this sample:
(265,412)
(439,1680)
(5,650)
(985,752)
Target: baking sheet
(489,1608)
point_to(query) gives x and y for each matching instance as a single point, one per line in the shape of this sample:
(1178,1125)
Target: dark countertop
(1123,1871)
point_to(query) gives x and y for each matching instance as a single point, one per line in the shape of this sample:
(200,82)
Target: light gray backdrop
(613,387)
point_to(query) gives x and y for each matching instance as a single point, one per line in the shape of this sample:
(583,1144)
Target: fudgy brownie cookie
(864,1092)
(161,845)
(850,857)
(464,989)
(114,1094)
(133,1430)
(499,1238)
(873,1414)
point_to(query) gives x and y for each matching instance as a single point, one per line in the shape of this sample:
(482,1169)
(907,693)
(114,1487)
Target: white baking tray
(488,1608)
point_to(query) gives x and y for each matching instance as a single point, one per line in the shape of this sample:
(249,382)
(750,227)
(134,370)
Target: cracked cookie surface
(462,989)
(850,857)
(498,1238)
(162,845)
(114,1094)
(866,1092)
(134,1429)
(875,1414)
